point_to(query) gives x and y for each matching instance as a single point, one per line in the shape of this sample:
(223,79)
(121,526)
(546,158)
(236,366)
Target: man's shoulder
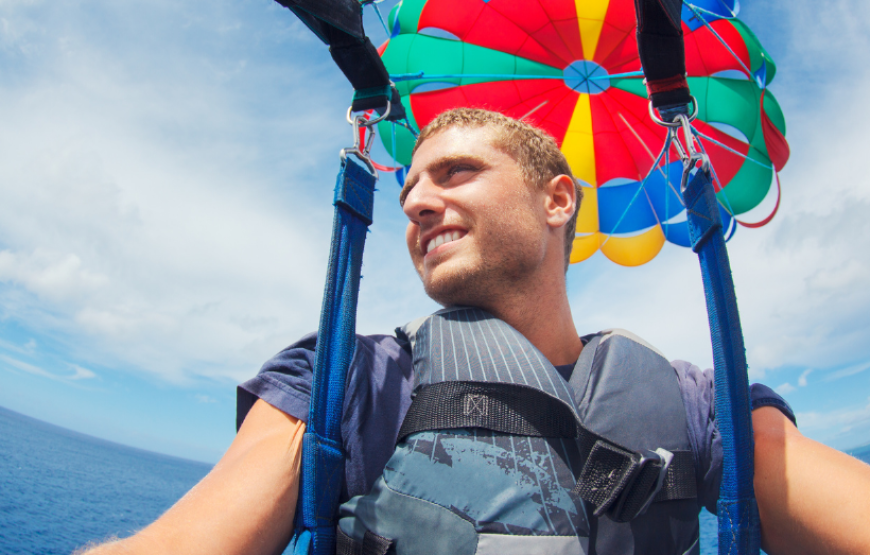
(306,346)
(619,333)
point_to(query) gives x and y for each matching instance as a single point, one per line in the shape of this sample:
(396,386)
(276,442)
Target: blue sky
(166,172)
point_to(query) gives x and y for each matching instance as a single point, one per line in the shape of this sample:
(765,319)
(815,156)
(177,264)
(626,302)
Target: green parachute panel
(409,15)
(748,188)
(453,62)
(774,111)
(404,143)
(757,53)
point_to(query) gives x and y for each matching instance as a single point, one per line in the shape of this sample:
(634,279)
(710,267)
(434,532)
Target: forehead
(456,140)
(456,144)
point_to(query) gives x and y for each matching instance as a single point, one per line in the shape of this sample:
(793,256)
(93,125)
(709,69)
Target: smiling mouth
(444,237)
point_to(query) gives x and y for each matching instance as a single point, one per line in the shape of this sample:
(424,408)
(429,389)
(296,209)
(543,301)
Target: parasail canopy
(571,67)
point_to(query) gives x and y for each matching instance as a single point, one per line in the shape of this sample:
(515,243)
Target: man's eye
(459,168)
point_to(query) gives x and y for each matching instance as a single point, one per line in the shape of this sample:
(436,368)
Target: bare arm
(811,498)
(245,505)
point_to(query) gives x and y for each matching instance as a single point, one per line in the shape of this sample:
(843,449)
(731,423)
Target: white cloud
(52,276)
(26,367)
(79,373)
(801,281)
(848,371)
(802,380)
(166,200)
(158,211)
(837,422)
(785,388)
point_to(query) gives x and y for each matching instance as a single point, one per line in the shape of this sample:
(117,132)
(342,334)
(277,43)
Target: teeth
(446,237)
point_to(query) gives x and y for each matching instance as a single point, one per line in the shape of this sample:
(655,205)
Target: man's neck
(543,316)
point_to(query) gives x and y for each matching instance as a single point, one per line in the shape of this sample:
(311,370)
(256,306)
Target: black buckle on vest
(643,482)
(622,483)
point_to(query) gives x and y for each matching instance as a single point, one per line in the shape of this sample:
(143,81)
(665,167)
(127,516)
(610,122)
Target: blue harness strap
(739,530)
(322,453)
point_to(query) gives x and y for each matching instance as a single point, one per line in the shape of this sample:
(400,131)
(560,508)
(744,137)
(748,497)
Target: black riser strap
(319,15)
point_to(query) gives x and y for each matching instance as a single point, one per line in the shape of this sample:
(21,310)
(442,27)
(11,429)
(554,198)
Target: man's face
(476,229)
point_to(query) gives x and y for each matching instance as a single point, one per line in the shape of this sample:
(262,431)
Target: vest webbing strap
(619,482)
(500,407)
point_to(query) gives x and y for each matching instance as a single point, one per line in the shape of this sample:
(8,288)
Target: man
(491,205)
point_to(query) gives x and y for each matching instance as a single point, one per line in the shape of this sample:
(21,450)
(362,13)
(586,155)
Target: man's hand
(811,498)
(244,506)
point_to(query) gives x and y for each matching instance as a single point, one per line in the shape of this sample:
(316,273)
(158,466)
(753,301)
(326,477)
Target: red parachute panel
(619,25)
(569,31)
(726,163)
(495,31)
(455,16)
(624,57)
(514,98)
(774,140)
(706,55)
(640,137)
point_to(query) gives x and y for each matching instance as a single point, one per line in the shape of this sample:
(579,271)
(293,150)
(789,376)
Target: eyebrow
(435,167)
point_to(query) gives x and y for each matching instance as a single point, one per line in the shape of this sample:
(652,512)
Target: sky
(166,173)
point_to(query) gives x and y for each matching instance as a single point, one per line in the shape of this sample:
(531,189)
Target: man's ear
(560,200)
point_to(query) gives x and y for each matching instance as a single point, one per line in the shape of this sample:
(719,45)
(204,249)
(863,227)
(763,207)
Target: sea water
(60,489)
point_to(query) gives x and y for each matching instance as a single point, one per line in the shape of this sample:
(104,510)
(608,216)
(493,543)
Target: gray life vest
(499,455)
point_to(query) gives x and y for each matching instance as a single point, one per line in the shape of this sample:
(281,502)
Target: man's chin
(454,290)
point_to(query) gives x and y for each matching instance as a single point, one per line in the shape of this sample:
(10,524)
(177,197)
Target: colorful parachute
(571,67)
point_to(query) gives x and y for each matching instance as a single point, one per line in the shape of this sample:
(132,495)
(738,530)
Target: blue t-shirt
(379,384)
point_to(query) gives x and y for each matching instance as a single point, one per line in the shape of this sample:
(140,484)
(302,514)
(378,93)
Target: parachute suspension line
(393,140)
(625,75)
(533,110)
(766,220)
(727,203)
(374,4)
(663,170)
(637,136)
(706,11)
(422,76)
(407,125)
(719,38)
(634,198)
(731,150)
(667,197)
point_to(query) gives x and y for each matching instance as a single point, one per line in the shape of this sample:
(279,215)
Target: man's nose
(423,200)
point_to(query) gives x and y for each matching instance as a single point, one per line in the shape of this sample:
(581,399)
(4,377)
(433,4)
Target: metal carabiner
(689,155)
(360,125)
(658,120)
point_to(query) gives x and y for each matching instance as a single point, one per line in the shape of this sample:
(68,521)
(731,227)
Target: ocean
(60,489)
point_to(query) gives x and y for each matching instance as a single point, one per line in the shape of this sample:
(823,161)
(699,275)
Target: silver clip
(362,149)
(689,155)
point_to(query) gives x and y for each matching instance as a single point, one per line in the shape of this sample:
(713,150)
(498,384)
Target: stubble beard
(486,282)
